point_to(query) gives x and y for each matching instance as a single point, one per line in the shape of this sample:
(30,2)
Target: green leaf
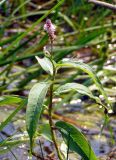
(34,108)
(46,64)
(86,68)
(74,86)
(76,140)
(9,99)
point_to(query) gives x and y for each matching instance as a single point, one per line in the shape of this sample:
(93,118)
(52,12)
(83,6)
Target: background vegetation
(85,32)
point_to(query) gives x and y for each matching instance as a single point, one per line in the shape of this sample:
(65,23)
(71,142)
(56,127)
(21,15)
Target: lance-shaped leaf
(76,141)
(76,87)
(46,64)
(35,107)
(86,68)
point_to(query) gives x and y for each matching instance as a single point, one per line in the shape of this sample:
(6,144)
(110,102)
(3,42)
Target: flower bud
(46,52)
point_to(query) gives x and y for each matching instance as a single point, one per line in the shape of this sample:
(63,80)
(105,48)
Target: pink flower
(50,29)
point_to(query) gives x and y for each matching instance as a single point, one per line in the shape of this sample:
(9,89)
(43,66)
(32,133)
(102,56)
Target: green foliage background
(84,31)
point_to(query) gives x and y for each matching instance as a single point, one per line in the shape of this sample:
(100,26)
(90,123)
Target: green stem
(50,116)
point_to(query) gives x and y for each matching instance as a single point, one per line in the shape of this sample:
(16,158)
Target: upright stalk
(50,115)
(50,29)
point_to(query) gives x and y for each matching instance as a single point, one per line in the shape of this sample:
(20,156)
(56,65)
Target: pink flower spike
(50,29)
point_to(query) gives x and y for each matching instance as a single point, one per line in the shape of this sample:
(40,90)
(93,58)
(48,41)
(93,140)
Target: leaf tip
(37,58)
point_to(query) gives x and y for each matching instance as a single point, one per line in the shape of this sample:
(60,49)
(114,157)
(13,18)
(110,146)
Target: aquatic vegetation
(57,79)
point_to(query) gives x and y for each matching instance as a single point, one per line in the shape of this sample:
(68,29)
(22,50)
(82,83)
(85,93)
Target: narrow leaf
(3,124)
(34,108)
(74,86)
(9,99)
(46,64)
(86,68)
(77,87)
(77,141)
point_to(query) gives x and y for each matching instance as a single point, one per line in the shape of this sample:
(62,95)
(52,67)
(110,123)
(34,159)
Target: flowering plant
(72,136)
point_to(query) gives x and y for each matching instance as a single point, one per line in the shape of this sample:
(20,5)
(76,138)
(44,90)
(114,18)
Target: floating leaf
(34,107)
(76,140)
(46,64)
(86,68)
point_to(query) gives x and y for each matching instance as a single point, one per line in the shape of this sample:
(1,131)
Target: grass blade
(3,124)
